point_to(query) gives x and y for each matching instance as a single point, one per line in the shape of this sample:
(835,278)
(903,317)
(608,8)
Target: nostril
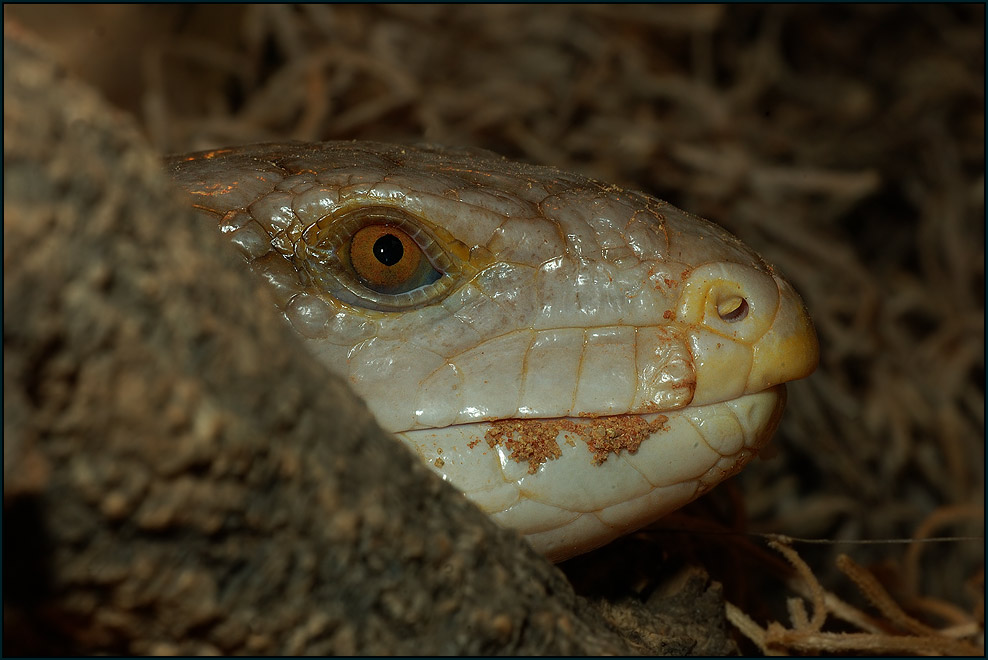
(733,309)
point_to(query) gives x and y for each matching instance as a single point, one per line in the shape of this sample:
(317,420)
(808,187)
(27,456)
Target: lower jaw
(575,501)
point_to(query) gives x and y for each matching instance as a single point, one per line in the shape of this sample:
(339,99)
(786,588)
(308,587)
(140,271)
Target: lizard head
(577,358)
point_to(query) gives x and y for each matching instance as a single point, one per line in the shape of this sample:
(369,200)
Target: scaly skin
(609,324)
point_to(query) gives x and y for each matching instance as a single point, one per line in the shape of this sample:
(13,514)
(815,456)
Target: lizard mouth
(574,483)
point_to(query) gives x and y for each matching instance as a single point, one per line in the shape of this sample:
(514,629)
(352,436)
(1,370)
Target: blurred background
(845,143)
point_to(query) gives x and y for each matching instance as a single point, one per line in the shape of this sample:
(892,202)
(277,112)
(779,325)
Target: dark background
(844,143)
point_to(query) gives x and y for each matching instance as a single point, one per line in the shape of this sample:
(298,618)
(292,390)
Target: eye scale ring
(379,258)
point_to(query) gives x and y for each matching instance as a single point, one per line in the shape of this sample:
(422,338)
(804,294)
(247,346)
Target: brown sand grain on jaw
(613,434)
(534,440)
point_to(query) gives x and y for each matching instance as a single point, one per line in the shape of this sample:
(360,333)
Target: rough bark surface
(179,477)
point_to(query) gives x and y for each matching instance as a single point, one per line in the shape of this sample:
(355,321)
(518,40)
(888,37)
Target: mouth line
(588,418)
(536,440)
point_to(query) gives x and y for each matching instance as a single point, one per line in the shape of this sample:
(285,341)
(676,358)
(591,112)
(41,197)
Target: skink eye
(379,257)
(387,260)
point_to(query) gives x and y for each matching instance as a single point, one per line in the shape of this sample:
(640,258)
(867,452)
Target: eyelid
(329,238)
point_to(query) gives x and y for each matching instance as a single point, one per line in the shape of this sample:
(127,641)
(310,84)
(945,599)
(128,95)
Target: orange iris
(386,259)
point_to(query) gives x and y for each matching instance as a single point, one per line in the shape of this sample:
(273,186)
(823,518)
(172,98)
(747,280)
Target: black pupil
(388,249)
